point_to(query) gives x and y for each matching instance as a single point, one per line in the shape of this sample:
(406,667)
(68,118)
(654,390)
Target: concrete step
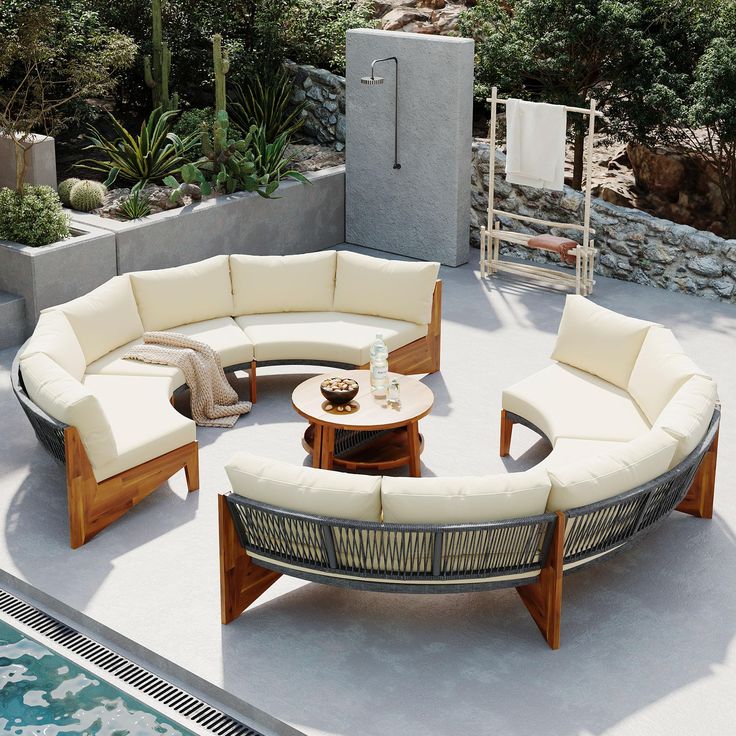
(12,319)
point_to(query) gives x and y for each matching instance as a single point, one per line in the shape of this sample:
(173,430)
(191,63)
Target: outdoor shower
(373,80)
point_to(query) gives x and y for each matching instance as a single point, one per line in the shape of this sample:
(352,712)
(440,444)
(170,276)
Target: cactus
(222,67)
(64,190)
(87,195)
(156,71)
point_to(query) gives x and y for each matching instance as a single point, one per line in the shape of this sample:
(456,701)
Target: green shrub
(313,31)
(87,195)
(64,190)
(189,123)
(34,218)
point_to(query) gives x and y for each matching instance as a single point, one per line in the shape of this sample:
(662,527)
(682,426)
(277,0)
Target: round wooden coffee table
(373,436)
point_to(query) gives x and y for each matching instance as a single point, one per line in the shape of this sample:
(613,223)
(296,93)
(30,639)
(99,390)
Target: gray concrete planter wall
(56,273)
(305,217)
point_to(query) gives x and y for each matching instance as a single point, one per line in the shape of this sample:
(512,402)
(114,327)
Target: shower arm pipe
(397,165)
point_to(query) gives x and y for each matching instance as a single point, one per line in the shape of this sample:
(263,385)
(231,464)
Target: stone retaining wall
(633,245)
(324,93)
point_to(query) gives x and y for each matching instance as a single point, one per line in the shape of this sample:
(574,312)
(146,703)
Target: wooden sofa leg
(252,382)
(191,469)
(241,580)
(507,425)
(544,599)
(80,487)
(699,499)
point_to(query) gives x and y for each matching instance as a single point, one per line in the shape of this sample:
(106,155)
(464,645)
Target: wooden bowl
(339,397)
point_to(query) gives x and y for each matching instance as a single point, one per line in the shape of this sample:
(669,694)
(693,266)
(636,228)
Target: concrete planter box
(306,217)
(55,273)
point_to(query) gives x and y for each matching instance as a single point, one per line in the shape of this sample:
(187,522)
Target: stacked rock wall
(632,245)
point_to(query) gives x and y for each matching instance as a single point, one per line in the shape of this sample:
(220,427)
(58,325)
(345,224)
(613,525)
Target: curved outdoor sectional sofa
(111,420)
(634,427)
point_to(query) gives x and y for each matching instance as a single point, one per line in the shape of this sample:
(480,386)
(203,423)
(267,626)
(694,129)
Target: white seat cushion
(569,450)
(223,336)
(599,341)
(661,368)
(191,293)
(687,416)
(66,399)
(300,283)
(105,318)
(332,337)
(55,337)
(619,468)
(113,364)
(304,489)
(143,422)
(464,500)
(394,289)
(567,402)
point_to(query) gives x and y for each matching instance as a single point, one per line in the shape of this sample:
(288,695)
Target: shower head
(371,80)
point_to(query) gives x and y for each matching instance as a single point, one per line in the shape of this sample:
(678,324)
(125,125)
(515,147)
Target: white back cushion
(55,337)
(267,284)
(64,398)
(394,289)
(597,476)
(170,297)
(661,368)
(105,318)
(464,500)
(599,341)
(309,490)
(687,415)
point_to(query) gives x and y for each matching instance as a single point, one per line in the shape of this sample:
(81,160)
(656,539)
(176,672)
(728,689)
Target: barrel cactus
(64,190)
(86,195)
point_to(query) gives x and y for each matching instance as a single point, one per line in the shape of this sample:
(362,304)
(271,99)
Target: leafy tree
(569,51)
(50,58)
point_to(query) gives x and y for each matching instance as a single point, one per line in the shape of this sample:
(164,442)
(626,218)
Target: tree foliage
(50,58)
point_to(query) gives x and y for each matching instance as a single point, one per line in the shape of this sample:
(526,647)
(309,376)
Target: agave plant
(135,206)
(272,161)
(151,156)
(266,104)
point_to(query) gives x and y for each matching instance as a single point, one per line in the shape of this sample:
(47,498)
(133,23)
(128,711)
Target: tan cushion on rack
(307,490)
(105,318)
(332,337)
(54,336)
(299,283)
(660,370)
(52,389)
(566,402)
(556,244)
(599,341)
(393,289)
(178,296)
(143,422)
(687,415)
(464,500)
(605,474)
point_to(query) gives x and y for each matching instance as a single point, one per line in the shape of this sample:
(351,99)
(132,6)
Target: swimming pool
(44,693)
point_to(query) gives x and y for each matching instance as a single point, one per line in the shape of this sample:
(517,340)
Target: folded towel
(214,401)
(535,144)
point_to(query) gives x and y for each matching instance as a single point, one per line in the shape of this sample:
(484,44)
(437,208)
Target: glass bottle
(379,366)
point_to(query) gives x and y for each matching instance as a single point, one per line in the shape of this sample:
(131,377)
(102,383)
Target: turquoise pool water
(45,694)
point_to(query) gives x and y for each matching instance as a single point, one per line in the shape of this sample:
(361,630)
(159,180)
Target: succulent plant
(87,195)
(64,190)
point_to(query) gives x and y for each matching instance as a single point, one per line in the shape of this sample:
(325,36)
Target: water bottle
(379,366)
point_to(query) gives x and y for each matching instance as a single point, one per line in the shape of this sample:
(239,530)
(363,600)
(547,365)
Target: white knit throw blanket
(214,401)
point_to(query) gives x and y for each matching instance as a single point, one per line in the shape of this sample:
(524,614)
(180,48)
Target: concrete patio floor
(648,636)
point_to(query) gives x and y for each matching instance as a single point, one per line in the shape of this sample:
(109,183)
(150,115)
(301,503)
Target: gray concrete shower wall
(421,210)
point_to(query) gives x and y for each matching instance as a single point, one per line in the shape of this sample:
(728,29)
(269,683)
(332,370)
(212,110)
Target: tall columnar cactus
(222,67)
(156,72)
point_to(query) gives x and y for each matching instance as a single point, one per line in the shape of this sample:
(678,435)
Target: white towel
(535,144)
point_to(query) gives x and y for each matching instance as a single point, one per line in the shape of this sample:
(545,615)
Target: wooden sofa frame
(259,543)
(93,506)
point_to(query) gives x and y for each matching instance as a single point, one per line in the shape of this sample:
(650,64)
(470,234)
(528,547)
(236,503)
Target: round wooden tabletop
(372,412)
